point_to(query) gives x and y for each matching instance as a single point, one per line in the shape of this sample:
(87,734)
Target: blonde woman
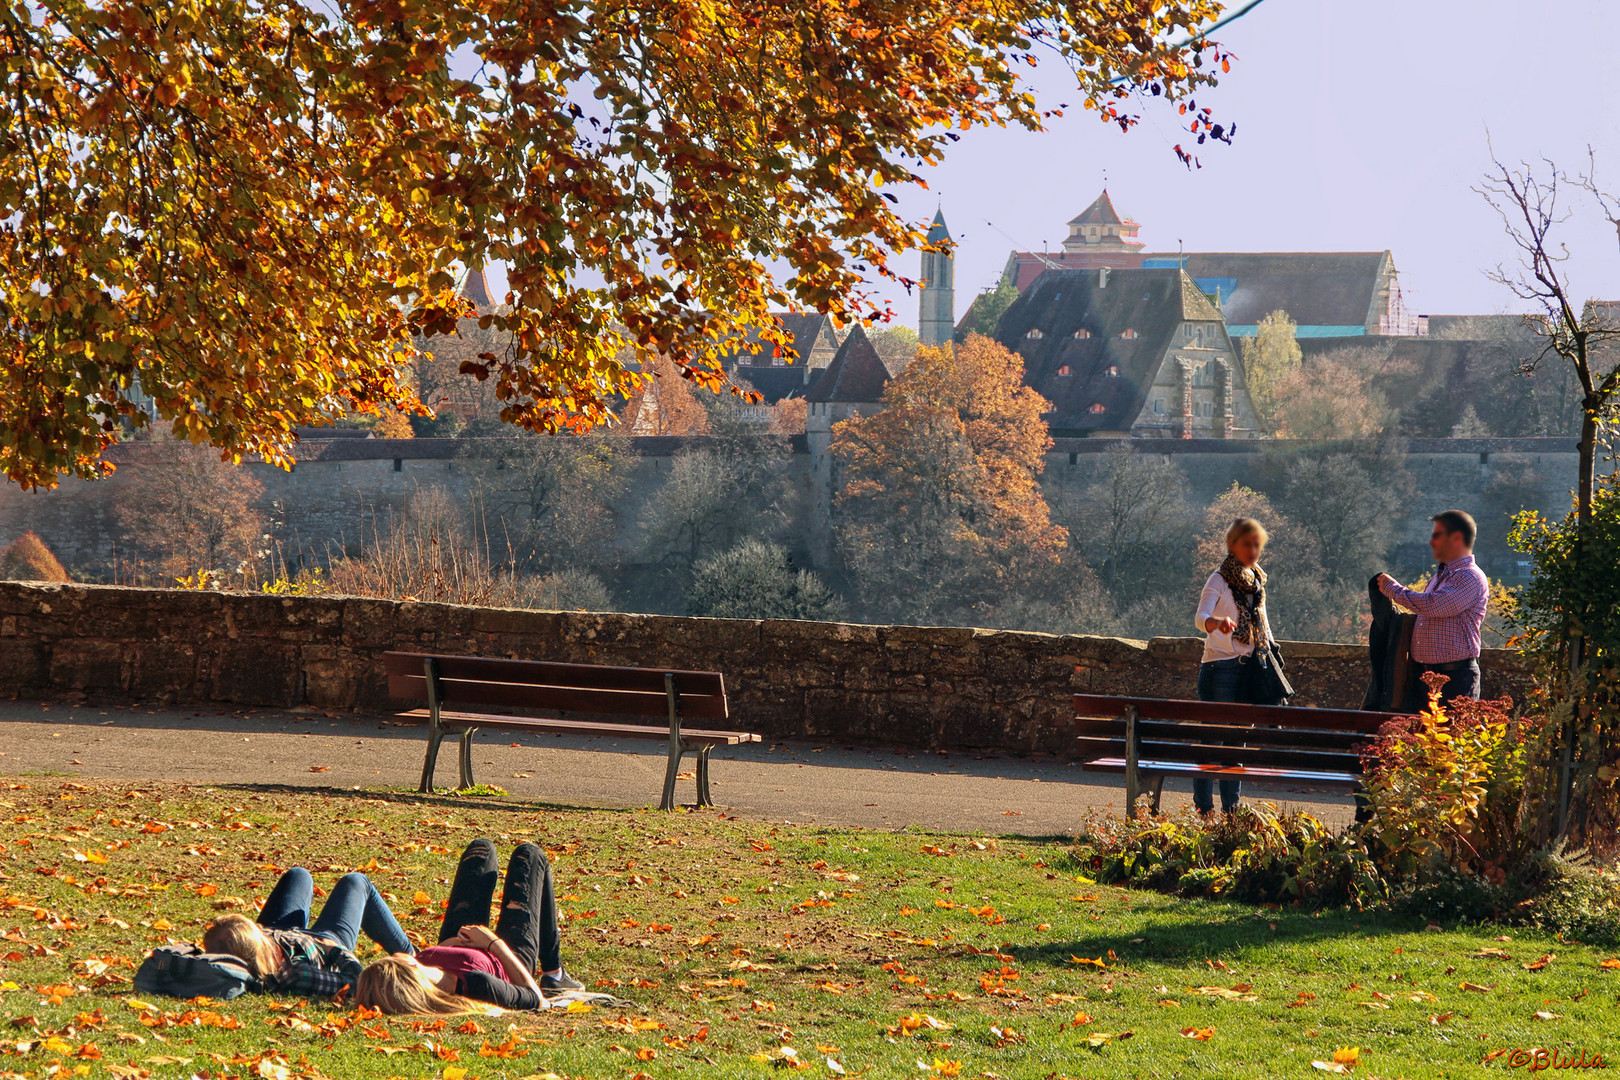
(291,957)
(472,966)
(1232,616)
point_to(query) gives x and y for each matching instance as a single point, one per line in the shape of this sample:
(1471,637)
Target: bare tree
(190,511)
(1570,331)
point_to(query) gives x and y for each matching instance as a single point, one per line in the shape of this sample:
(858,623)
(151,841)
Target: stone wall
(933,687)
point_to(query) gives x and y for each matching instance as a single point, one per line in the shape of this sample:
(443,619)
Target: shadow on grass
(1202,929)
(449,800)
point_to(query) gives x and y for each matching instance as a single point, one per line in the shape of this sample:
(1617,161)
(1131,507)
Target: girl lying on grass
(473,967)
(291,957)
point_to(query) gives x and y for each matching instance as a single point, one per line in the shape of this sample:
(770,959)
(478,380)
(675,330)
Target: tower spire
(936,315)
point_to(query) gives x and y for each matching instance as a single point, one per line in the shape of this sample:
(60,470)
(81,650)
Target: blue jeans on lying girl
(353,905)
(1218,680)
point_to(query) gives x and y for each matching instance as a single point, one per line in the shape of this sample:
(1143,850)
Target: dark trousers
(528,918)
(353,905)
(1218,680)
(1462,680)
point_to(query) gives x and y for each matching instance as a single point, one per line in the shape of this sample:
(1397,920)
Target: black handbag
(1271,684)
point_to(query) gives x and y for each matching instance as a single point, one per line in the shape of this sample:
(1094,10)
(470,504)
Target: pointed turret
(936,316)
(1100,226)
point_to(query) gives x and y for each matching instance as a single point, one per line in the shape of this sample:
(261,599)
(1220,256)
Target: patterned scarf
(1248,585)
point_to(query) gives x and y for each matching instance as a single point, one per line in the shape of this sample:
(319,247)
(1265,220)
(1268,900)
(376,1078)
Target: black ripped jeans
(528,918)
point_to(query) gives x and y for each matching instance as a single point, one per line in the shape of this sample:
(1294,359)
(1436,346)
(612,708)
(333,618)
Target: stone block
(254,673)
(164,670)
(22,666)
(333,676)
(88,666)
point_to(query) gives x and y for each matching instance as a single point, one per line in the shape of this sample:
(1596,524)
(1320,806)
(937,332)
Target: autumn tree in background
(896,344)
(988,307)
(1295,589)
(553,498)
(664,404)
(188,511)
(1330,399)
(1270,358)
(248,209)
(939,510)
(28,559)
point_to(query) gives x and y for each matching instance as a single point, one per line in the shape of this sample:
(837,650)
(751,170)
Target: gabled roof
(938,231)
(1100,212)
(856,374)
(804,331)
(475,288)
(1150,303)
(1316,288)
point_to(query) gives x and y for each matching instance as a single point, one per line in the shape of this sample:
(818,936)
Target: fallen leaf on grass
(1478,989)
(1099,1039)
(1201,1034)
(1537,965)
(1098,962)
(1543,1014)
(1240,992)
(1439,1018)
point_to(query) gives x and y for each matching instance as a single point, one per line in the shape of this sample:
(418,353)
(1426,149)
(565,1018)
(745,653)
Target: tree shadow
(448,801)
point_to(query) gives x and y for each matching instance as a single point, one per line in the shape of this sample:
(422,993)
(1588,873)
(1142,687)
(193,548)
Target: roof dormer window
(1127,333)
(1097,407)
(1111,371)
(1064,370)
(1034,333)
(1082,333)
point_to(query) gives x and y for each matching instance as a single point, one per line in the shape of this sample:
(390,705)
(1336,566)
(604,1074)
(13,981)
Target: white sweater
(1217,602)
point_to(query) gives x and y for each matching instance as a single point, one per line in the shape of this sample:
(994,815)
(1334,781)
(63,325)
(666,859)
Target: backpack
(185,971)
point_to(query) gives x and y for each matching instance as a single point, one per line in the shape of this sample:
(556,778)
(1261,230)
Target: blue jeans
(353,905)
(1218,680)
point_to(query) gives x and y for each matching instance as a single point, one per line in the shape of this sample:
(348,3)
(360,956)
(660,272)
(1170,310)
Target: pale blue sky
(1361,126)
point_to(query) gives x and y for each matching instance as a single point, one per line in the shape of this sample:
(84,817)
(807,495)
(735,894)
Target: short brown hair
(1458,521)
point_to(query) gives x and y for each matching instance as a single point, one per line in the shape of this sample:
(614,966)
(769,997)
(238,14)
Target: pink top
(1450,611)
(459,959)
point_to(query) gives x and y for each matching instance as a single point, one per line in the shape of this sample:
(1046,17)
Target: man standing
(1450,610)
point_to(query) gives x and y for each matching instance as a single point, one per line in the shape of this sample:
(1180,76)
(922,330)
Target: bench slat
(551,673)
(457,720)
(1230,772)
(1194,754)
(1284,716)
(454,691)
(1177,730)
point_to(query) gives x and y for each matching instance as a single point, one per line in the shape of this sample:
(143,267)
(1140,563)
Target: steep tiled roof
(475,288)
(1149,304)
(1316,288)
(856,373)
(1100,212)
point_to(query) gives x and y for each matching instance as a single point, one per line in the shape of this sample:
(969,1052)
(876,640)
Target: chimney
(1102,277)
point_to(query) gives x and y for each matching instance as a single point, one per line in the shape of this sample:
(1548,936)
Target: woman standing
(1232,615)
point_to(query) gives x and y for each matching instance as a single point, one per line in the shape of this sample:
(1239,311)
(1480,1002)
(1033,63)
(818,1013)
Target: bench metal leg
(704,798)
(1155,791)
(670,773)
(466,758)
(435,737)
(1133,779)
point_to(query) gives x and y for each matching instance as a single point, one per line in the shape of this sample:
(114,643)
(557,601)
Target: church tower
(936,317)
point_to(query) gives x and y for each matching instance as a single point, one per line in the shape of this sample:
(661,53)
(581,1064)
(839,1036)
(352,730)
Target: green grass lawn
(868,953)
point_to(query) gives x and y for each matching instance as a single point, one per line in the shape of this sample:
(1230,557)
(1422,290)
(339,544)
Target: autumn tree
(187,510)
(555,497)
(1132,522)
(1330,399)
(988,307)
(896,344)
(1270,359)
(939,510)
(28,559)
(249,210)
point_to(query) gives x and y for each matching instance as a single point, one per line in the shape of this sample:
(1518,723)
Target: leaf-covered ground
(747,949)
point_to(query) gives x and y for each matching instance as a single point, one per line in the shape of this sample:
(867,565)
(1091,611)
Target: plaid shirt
(1449,612)
(311,967)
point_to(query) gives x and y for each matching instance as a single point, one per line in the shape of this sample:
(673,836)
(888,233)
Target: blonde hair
(394,985)
(1245,526)
(241,937)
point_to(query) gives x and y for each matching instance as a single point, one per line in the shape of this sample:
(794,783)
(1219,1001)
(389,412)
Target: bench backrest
(540,684)
(1285,736)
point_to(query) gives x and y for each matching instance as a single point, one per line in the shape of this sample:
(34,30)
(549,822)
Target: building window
(1097,407)
(1127,333)
(1064,370)
(1034,333)
(1111,371)
(1524,568)
(1082,333)
(399,464)
(1158,406)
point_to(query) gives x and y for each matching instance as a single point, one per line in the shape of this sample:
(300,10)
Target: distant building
(852,383)
(1326,293)
(1133,352)
(936,316)
(815,341)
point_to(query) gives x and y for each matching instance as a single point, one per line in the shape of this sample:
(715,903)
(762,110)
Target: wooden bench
(448,683)
(1152,738)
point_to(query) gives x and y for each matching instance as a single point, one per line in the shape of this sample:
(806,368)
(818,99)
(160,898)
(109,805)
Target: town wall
(910,686)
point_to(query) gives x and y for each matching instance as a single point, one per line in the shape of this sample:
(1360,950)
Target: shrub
(1444,788)
(28,559)
(755,580)
(1253,854)
(569,589)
